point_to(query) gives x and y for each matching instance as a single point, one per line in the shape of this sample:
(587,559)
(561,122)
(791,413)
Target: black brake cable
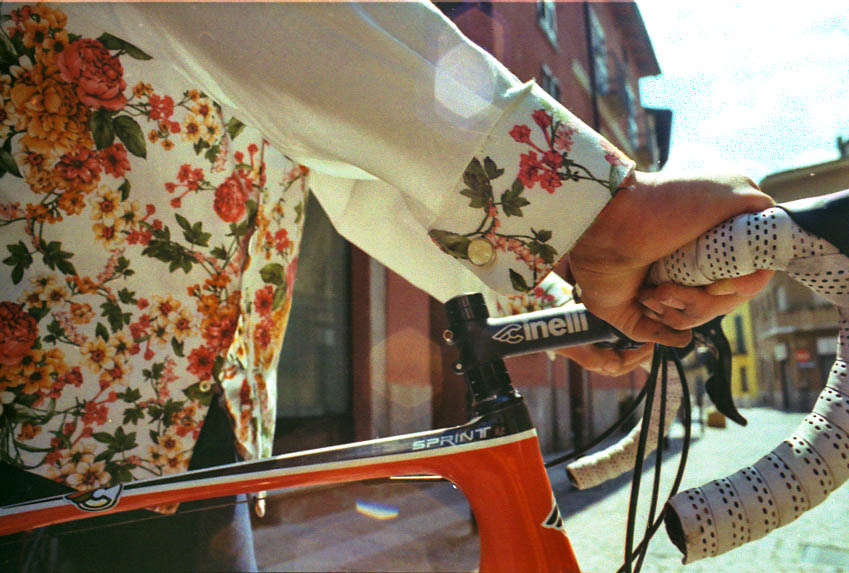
(660,358)
(580,452)
(652,527)
(658,455)
(651,384)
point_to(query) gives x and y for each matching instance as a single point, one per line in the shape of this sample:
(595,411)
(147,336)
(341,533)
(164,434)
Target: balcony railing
(797,320)
(613,91)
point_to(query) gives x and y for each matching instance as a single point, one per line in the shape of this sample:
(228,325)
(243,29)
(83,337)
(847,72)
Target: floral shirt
(150,215)
(150,249)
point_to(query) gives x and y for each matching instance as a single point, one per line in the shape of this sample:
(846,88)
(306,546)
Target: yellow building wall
(737,326)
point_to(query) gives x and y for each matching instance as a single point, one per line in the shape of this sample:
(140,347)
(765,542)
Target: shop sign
(801,355)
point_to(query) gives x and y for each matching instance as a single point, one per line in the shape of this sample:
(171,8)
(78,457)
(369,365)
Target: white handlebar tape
(801,471)
(617,459)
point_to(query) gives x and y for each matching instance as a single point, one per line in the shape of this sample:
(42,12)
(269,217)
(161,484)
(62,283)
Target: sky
(755,86)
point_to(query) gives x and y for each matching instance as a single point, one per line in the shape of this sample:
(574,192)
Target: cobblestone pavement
(817,541)
(368,527)
(377,527)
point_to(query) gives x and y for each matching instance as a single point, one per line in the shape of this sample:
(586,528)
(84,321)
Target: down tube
(503,479)
(520,525)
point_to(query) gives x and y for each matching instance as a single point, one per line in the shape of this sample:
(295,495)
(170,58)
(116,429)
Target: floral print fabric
(149,238)
(149,246)
(552,292)
(537,184)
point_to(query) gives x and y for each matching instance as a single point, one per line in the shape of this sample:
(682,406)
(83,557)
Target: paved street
(365,527)
(380,527)
(818,541)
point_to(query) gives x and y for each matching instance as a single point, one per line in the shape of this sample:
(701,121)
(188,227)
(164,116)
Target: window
(456,9)
(549,82)
(739,336)
(826,345)
(547,18)
(744,380)
(314,373)
(631,107)
(781,298)
(598,45)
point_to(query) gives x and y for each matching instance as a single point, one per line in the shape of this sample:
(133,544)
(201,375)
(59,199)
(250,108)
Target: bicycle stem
(483,342)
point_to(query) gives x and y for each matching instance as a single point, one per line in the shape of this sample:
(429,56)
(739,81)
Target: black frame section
(483,342)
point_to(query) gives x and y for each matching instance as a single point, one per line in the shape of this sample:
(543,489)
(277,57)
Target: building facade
(369,360)
(738,328)
(795,329)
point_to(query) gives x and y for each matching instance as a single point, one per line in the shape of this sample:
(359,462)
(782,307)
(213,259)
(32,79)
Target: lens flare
(375,510)
(464,84)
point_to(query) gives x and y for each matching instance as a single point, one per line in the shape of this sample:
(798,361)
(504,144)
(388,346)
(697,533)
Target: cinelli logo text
(536,329)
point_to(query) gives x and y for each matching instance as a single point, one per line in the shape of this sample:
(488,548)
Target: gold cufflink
(481,252)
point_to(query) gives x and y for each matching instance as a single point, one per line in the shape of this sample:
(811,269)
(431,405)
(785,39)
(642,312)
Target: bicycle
(494,458)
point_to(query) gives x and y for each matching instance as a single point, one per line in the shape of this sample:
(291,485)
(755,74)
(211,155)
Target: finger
(686,307)
(608,361)
(746,286)
(682,307)
(641,325)
(628,360)
(589,356)
(632,358)
(648,328)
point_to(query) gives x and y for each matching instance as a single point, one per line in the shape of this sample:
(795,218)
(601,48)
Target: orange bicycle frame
(499,469)
(494,459)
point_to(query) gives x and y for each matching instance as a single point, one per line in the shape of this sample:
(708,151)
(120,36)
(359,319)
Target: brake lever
(718,386)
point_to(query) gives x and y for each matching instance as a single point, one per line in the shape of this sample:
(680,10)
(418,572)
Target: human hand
(607,360)
(645,221)
(683,307)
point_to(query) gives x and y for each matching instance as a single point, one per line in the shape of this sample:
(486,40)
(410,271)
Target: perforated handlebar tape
(801,471)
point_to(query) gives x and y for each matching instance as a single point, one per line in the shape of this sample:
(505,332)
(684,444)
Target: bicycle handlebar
(801,471)
(807,466)
(483,339)
(618,458)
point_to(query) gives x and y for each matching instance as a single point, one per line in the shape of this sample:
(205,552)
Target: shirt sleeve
(405,125)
